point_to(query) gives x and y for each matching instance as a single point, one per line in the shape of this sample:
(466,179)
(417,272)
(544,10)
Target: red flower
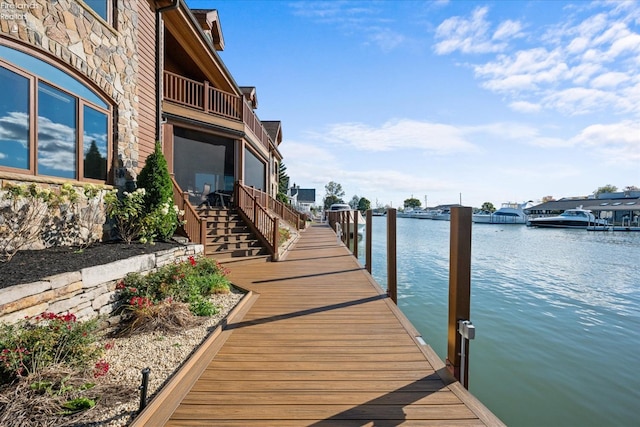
(192,260)
(100,369)
(120,285)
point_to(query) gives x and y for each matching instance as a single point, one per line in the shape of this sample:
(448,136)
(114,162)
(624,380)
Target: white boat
(571,218)
(509,213)
(441,214)
(337,207)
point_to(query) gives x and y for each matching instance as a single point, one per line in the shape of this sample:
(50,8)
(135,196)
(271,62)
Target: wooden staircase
(228,236)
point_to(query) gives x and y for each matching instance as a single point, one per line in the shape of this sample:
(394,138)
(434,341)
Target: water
(556,311)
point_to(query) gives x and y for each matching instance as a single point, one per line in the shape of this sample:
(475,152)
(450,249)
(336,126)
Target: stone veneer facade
(87,293)
(107,56)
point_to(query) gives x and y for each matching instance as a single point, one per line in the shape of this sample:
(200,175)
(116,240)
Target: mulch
(33,265)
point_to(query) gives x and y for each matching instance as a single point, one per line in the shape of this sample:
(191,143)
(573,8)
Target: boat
(571,218)
(509,213)
(441,214)
(338,207)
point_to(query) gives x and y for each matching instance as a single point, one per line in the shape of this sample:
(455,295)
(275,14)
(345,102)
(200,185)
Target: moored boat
(509,213)
(571,218)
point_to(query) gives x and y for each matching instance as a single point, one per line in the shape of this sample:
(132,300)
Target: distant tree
(283,179)
(606,189)
(546,199)
(364,204)
(488,207)
(333,194)
(412,203)
(354,202)
(631,188)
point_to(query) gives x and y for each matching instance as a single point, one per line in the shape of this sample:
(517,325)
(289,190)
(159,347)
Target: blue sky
(494,101)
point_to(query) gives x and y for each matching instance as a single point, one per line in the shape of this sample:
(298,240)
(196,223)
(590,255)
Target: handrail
(258,219)
(194,225)
(203,96)
(287,213)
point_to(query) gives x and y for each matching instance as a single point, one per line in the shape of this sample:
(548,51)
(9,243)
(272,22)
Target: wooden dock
(317,343)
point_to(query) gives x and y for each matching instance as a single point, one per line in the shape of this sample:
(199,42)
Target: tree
(488,207)
(631,188)
(333,194)
(412,203)
(364,204)
(354,202)
(155,179)
(162,218)
(606,189)
(283,179)
(546,199)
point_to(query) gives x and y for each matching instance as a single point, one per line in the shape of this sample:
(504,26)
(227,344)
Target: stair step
(229,238)
(234,253)
(249,244)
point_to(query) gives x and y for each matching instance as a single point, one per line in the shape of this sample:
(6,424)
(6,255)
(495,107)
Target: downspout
(159,79)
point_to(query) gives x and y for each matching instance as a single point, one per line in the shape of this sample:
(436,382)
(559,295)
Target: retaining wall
(87,293)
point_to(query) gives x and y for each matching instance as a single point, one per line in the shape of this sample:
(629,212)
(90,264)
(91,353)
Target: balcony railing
(202,96)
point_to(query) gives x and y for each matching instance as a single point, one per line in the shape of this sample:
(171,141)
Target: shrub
(23,212)
(190,282)
(155,179)
(128,213)
(34,344)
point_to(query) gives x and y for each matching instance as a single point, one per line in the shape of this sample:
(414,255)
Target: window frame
(79,116)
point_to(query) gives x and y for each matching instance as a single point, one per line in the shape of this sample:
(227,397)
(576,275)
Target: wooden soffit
(184,27)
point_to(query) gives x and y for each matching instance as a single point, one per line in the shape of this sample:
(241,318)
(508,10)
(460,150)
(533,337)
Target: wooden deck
(317,343)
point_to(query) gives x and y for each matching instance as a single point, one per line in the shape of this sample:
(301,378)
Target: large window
(50,123)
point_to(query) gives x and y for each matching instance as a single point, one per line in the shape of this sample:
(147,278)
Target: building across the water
(617,208)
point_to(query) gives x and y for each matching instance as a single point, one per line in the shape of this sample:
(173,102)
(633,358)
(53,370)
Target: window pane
(94,142)
(56,132)
(14,120)
(52,74)
(100,7)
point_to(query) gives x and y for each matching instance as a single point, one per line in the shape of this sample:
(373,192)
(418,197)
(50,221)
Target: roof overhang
(186,29)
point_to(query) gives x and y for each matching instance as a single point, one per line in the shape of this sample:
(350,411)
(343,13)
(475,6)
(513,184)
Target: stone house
(90,86)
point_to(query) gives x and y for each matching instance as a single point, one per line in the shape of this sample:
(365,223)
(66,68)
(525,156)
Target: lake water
(556,311)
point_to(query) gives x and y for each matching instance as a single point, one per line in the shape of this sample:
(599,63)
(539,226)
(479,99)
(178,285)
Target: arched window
(51,123)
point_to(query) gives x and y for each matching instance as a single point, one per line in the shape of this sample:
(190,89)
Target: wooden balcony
(203,97)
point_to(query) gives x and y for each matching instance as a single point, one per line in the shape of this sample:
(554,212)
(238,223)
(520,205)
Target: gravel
(161,352)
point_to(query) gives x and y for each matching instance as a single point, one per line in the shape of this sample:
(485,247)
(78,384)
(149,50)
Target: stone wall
(87,293)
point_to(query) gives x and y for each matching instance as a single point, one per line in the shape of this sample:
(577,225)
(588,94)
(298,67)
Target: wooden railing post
(392,274)
(276,239)
(368,246)
(355,232)
(205,97)
(459,289)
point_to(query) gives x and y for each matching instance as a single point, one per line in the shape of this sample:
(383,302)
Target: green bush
(190,282)
(34,344)
(155,179)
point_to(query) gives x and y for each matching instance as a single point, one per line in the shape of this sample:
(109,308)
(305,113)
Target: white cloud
(568,68)
(609,80)
(468,35)
(525,107)
(619,142)
(400,134)
(508,29)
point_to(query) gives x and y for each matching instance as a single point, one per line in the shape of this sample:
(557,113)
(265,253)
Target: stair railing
(257,217)
(194,226)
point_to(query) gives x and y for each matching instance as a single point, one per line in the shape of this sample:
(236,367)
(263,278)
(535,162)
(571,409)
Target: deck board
(321,344)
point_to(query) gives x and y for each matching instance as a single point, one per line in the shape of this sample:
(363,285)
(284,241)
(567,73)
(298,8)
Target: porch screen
(254,171)
(203,163)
